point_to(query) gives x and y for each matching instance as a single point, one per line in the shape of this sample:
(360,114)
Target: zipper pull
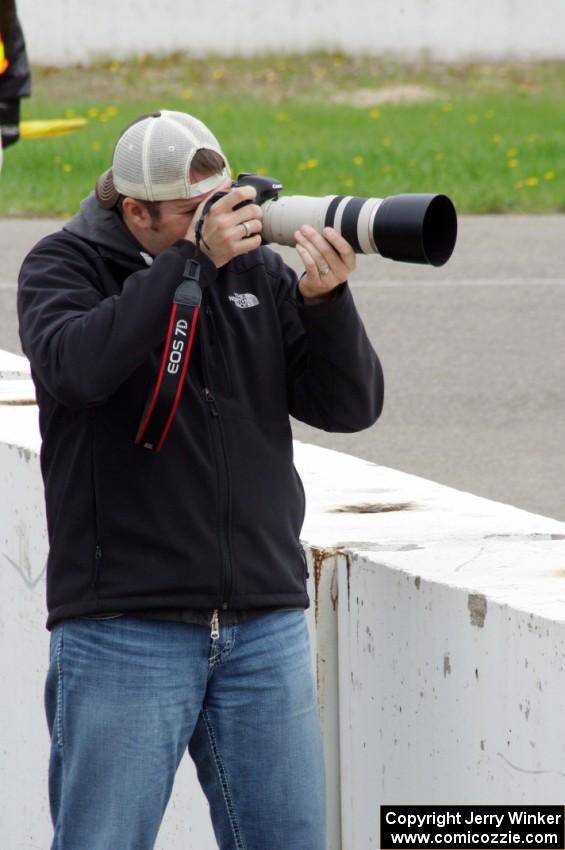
(211,401)
(215,625)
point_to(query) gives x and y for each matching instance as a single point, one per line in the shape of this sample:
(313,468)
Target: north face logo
(244,300)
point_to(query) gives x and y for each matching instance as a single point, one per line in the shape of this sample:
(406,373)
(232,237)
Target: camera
(411,228)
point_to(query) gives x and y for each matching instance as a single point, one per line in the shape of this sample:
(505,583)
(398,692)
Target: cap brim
(106,193)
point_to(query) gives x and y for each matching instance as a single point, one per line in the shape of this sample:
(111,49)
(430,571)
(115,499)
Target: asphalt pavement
(473,355)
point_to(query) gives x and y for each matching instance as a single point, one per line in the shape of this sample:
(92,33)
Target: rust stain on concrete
(477,605)
(374,508)
(446,665)
(320,556)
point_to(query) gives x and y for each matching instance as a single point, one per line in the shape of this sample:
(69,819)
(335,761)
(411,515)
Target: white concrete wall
(438,635)
(441,643)
(70,31)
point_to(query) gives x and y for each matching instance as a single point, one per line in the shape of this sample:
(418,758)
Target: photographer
(15,77)
(168,349)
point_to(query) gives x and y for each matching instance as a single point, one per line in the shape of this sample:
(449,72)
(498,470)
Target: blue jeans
(125,697)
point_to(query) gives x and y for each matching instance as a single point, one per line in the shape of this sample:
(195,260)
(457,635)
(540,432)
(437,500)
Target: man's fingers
(250,243)
(307,259)
(250,212)
(332,253)
(342,247)
(233,197)
(246,229)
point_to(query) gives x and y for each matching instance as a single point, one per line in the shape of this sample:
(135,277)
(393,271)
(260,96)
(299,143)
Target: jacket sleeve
(81,344)
(334,376)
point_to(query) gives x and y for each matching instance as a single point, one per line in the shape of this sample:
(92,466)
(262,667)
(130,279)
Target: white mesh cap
(152,160)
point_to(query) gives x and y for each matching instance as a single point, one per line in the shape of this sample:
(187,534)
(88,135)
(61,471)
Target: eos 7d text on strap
(162,403)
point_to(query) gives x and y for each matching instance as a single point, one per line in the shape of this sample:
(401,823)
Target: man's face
(175,218)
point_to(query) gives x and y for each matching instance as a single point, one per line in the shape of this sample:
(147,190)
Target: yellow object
(3,60)
(48,129)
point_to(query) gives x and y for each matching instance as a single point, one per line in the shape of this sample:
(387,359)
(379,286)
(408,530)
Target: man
(15,77)
(176,579)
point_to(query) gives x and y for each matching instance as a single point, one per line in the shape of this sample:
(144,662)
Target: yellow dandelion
(312,163)
(111,111)
(358,160)
(103,118)
(302,166)
(497,139)
(387,142)
(96,146)
(489,114)
(282,117)
(448,107)
(115,66)
(375,114)
(549,175)
(93,112)
(67,168)
(262,170)
(348,182)
(512,163)
(532,137)
(472,119)
(187,94)
(532,181)
(218,74)
(512,152)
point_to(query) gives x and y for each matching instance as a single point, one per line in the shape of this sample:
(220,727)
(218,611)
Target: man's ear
(136,213)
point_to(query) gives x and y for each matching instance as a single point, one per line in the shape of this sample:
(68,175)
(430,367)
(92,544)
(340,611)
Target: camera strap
(163,401)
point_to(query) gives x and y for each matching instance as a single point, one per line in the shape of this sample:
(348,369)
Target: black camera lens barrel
(416,228)
(413,228)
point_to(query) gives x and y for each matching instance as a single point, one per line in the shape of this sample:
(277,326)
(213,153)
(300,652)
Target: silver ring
(323,272)
(247,229)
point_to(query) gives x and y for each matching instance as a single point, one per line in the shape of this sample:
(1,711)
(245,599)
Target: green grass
(492,137)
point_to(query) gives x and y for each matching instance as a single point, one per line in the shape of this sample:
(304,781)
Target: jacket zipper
(223,495)
(210,315)
(97,530)
(215,625)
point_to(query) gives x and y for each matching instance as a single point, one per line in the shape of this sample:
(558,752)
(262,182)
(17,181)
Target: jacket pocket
(305,573)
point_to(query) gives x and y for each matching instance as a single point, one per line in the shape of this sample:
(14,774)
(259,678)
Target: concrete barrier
(64,32)
(438,635)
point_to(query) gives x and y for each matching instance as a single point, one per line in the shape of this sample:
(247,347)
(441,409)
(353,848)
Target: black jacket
(15,82)
(213,520)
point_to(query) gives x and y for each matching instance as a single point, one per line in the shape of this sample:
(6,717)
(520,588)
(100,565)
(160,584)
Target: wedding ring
(247,229)
(323,272)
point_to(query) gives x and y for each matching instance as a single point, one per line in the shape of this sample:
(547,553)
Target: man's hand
(226,232)
(328,261)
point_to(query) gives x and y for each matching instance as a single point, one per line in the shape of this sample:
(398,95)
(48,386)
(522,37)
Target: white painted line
(397,284)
